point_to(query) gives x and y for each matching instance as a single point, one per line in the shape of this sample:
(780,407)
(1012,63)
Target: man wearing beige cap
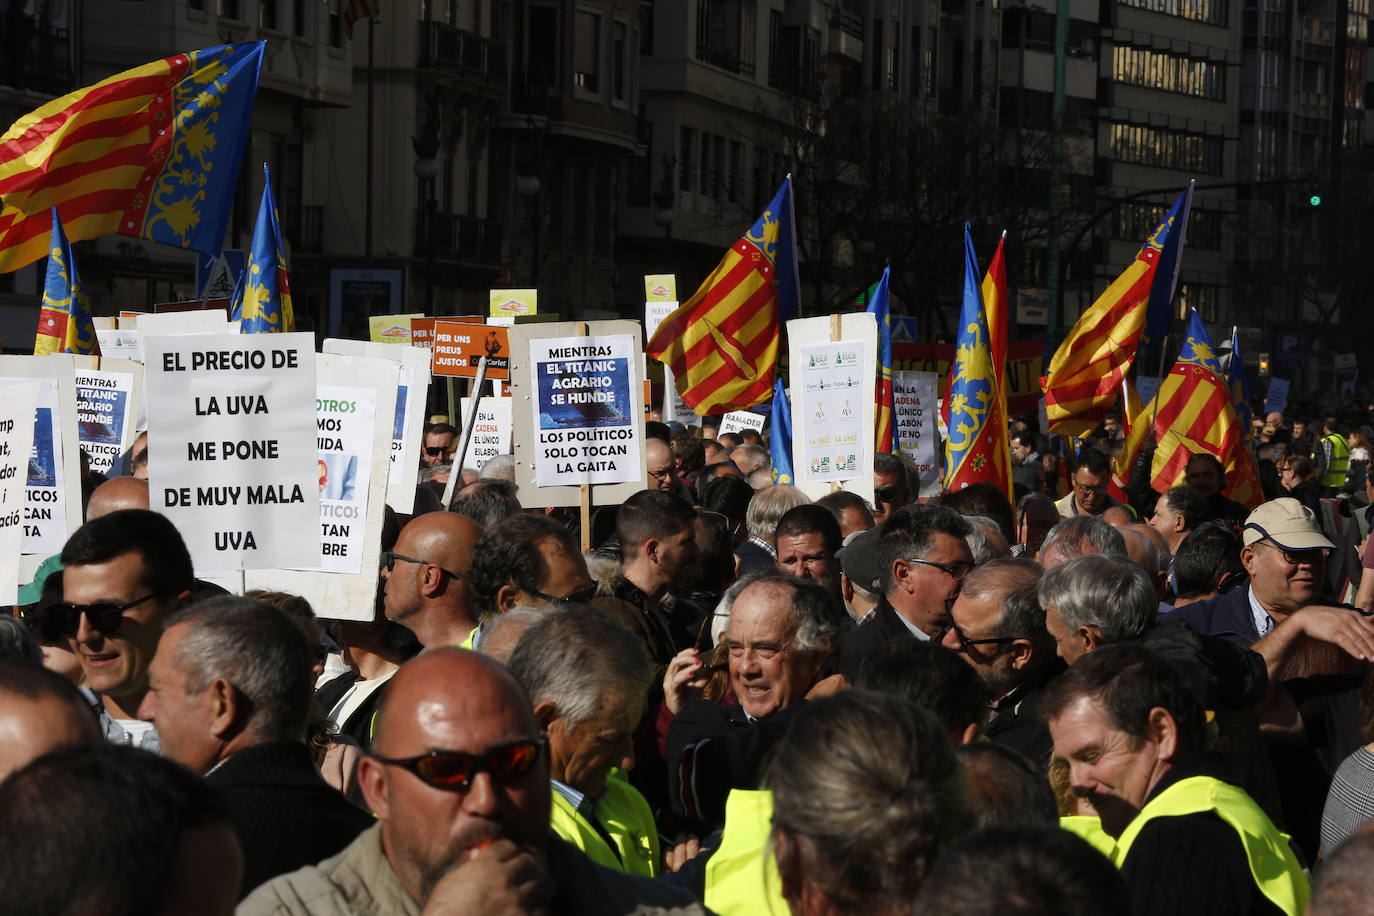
(1284,552)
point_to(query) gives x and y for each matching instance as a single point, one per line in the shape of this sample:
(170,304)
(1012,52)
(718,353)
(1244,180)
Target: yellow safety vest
(742,876)
(1339,464)
(472,638)
(1090,829)
(626,816)
(1276,870)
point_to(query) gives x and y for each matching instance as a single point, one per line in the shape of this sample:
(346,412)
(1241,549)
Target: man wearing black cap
(861,574)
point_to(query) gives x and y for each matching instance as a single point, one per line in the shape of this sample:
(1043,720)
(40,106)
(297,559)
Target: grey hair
(979,541)
(522,616)
(487,502)
(1082,535)
(1113,595)
(499,467)
(757,452)
(575,659)
(761,479)
(17,643)
(259,649)
(812,609)
(428,474)
(1014,582)
(768,507)
(1154,559)
(868,791)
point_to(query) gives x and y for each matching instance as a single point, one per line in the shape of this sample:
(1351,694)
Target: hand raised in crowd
(501,879)
(684,849)
(684,680)
(1351,630)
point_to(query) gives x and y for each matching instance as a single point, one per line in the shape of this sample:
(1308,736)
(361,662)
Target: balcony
(461,53)
(306,230)
(846,34)
(725,59)
(469,239)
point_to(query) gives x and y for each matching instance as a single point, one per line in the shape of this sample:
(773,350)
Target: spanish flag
(151,153)
(64,322)
(1086,371)
(722,344)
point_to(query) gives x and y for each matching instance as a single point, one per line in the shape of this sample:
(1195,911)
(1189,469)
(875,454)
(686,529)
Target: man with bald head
(425,578)
(458,777)
(661,468)
(40,711)
(115,494)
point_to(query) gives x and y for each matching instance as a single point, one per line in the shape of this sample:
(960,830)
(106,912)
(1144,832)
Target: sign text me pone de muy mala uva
(232,443)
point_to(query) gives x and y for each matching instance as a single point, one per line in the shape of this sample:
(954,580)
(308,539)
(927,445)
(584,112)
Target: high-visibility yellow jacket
(742,876)
(625,816)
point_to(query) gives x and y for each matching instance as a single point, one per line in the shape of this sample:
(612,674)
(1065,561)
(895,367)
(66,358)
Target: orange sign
(459,346)
(422,329)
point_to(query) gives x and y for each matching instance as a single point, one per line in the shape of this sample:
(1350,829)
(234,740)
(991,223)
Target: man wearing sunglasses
(527,561)
(924,557)
(425,578)
(438,440)
(891,487)
(458,778)
(124,575)
(998,627)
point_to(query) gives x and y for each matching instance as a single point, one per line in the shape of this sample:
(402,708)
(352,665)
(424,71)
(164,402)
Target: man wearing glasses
(998,626)
(425,578)
(1089,495)
(458,778)
(439,438)
(124,575)
(924,557)
(528,561)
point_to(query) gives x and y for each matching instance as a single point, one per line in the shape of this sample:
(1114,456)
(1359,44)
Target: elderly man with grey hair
(1081,536)
(230,693)
(587,677)
(750,458)
(759,554)
(780,634)
(1091,601)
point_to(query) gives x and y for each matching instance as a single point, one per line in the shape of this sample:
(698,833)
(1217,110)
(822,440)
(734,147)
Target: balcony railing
(469,239)
(460,52)
(725,59)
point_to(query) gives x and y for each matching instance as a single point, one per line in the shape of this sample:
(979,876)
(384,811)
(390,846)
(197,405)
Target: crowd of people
(1082,697)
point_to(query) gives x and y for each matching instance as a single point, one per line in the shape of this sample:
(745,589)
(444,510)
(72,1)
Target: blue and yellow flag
(64,323)
(976,449)
(1237,382)
(1160,312)
(262,299)
(1197,346)
(879,303)
(780,435)
(152,153)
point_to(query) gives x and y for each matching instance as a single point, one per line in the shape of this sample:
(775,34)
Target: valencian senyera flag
(780,435)
(880,305)
(262,299)
(1086,372)
(152,153)
(359,9)
(64,321)
(976,450)
(722,344)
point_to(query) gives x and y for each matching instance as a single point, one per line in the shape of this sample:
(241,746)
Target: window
(587,51)
(267,14)
(725,34)
(686,160)
(298,18)
(1137,221)
(1167,149)
(736,190)
(620,48)
(542,68)
(646,26)
(877,54)
(1204,297)
(1212,12)
(774,36)
(228,9)
(1169,73)
(195,4)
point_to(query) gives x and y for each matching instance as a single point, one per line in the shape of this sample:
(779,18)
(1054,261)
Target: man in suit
(781,631)
(924,558)
(229,691)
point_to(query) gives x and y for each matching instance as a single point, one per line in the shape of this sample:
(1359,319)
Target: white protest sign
(16,445)
(231,434)
(491,431)
(106,408)
(119,344)
(409,414)
(586,420)
(914,400)
(354,450)
(660,292)
(737,420)
(833,410)
(54,468)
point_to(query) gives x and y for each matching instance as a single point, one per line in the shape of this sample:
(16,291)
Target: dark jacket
(284,813)
(858,645)
(358,726)
(754,559)
(1227,616)
(641,615)
(1016,721)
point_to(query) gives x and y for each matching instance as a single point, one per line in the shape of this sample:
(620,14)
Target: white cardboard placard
(16,446)
(491,431)
(50,512)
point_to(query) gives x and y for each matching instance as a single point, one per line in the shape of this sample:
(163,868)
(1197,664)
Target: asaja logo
(660,291)
(511,306)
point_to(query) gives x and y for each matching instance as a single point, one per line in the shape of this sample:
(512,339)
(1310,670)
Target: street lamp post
(426,170)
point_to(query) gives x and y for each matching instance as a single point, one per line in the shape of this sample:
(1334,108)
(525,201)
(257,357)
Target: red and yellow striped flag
(722,344)
(1195,415)
(359,9)
(153,152)
(1086,372)
(995,308)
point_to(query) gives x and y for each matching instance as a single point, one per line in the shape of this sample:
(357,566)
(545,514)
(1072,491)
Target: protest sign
(422,329)
(1024,361)
(210,321)
(390,329)
(119,344)
(1277,398)
(106,411)
(16,446)
(660,301)
(459,347)
(490,431)
(558,446)
(833,365)
(914,397)
(54,468)
(409,416)
(234,445)
(507,303)
(353,409)
(738,420)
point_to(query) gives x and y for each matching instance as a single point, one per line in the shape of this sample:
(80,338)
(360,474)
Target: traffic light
(1316,187)
(1264,365)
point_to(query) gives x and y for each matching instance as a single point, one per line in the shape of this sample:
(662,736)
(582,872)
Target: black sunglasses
(581,596)
(63,618)
(434,451)
(389,563)
(454,771)
(885,494)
